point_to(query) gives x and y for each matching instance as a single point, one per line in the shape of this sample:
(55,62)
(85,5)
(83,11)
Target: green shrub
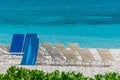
(108,76)
(14,73)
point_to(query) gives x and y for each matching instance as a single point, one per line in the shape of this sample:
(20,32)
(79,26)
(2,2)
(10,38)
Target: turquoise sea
(90,23)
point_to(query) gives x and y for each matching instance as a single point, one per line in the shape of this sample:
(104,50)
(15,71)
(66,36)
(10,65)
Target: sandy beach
(8,61)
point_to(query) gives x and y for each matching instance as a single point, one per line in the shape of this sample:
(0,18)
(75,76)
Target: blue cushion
(30,51)
(31,35)
(17,43)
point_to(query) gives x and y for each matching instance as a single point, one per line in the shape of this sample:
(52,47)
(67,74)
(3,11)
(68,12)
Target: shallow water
(74,21)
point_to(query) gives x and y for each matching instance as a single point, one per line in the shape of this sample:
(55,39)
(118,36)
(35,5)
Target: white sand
(87,71)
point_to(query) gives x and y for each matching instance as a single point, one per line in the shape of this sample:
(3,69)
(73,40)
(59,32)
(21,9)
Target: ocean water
(90,25)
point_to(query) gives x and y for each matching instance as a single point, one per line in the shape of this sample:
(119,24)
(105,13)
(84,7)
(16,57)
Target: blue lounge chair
(30,51)
(29,36)
(17,43)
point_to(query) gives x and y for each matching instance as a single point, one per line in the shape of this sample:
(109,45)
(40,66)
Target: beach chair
(106,56)
(32,35)
(5,47)
(2,58)
(40,56)
(6,55)
(57,58)
(86,55)
(17,44)
(30,51)
(29,36)
(69,54)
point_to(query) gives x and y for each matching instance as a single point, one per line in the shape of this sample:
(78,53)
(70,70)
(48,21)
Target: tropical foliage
(15,73)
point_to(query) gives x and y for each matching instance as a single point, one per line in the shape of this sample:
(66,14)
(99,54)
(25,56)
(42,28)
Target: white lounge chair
(106,56)
(55,54)
(86,55)
(69,54)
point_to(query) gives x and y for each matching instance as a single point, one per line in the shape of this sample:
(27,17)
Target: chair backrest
(74,46)
(30,51)
(84,53)
(4,47)
(40,55)
(105,55)
(29,36)
(47,45)
(17,43)
(59,46)
(52,51)
(69,54)
(7,47)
